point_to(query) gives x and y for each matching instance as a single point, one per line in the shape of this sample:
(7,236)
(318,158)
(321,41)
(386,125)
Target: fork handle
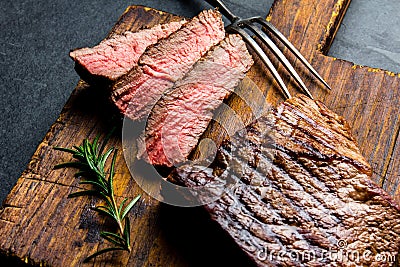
(223,9)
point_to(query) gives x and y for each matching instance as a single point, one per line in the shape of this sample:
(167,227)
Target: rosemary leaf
(96,144)
(79,149)
(127,231)
(121,206)
(105,211)
(109,202)
(103,158)
(129,207)
(111,176)
(114,238)
(95,183)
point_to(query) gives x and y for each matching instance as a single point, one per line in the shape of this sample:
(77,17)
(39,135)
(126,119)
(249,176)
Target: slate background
(37,76)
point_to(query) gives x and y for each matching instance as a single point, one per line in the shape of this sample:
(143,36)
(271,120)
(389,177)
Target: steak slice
(183,113)
(306,200)
(164,63)
(115,56)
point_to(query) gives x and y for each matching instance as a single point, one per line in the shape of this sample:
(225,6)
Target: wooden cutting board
(39,225)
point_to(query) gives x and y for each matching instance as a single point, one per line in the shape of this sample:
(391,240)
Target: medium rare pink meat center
(166,62)
(183,113)
(117,55)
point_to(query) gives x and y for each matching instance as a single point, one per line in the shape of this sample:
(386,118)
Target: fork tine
(290,46)
(266,40)
(262,55)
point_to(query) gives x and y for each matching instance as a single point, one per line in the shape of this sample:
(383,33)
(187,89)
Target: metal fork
(238,25)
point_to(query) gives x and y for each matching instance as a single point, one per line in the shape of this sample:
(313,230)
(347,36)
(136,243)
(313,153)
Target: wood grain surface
(40,225)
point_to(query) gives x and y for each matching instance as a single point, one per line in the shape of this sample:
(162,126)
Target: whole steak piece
(300,192)
(180,117)
(166,62)
(115,56)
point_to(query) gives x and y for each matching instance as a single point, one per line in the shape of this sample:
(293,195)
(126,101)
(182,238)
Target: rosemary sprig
(91,161)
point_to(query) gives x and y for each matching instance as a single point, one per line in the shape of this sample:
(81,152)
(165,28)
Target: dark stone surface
(37,75)
(370,35)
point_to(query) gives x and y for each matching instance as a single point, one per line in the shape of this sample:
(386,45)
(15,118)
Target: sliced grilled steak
(115,56)
(166,62)
(308,199)
(183,113)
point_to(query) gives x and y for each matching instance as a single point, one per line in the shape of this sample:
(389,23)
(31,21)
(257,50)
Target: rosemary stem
(121,228)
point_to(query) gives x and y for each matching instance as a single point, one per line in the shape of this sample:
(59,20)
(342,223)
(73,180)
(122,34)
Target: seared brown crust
(302,193)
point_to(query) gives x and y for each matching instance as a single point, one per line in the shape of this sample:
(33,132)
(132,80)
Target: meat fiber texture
(308,199)
(180,117)
(166,62)
(114,57)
